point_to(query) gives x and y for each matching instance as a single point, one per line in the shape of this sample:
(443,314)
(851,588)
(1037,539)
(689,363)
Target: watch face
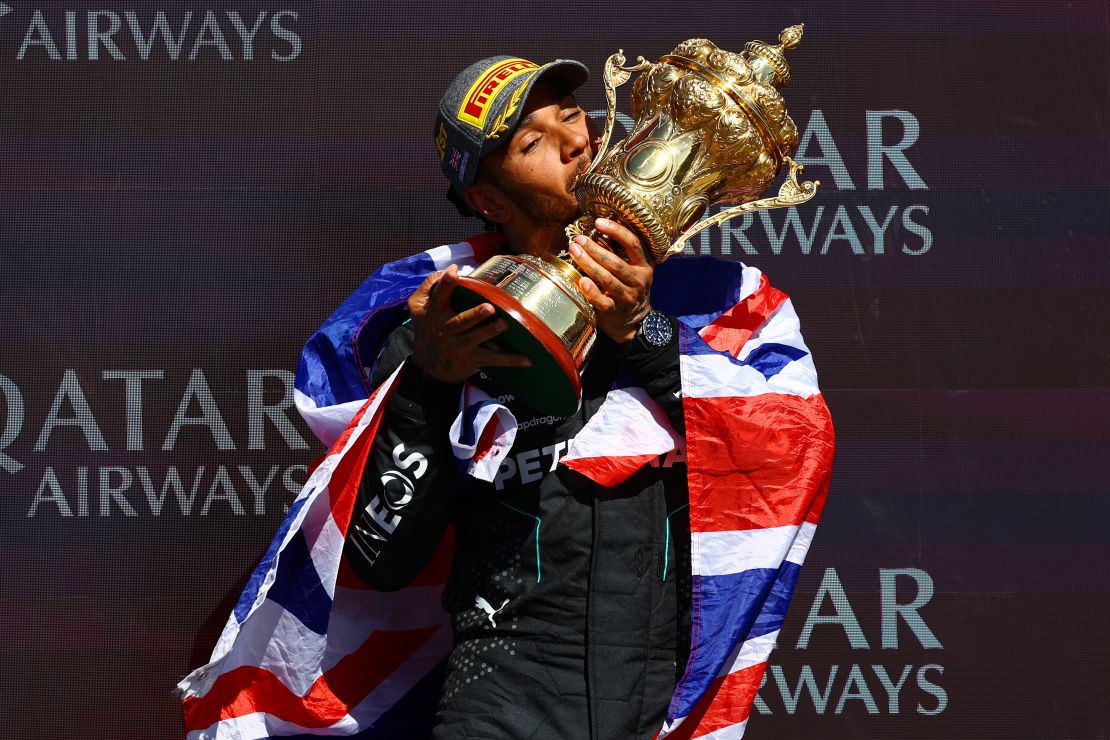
(656,329)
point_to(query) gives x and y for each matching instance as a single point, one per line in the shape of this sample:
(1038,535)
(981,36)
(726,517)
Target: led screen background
(172,230)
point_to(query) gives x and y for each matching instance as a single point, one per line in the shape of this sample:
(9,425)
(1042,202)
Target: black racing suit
(569,601)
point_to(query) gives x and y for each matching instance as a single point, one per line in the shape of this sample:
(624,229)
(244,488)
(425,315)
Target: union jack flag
(309,650)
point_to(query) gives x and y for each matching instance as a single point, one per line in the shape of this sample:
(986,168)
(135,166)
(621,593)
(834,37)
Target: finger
(491,358)
(589,255)
(441,292)
(633,249)
(484,332)
(614,263)
(466,320)
(597,299)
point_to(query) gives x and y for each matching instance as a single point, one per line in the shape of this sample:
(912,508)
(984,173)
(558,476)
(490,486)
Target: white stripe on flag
(710,376)
(376,703)
(448,254)
(749,281)
(751,652)
(798,550)
(272,626)
(717,376)
(408,674)
(670,726)
(262,725)
(628,423)
(363,611)
(292,646)
(489,411)
(781,327)
(326,422)
(326,553)
(722,553)
(732,732)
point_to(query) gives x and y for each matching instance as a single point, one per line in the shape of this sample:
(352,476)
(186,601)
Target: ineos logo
(397,487)
(95,35)
(397,490)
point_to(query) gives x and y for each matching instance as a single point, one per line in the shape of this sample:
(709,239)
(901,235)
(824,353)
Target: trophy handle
(614,76)
(791,193)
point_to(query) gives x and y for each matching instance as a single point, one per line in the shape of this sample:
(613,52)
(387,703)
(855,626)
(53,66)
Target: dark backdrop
(173,228)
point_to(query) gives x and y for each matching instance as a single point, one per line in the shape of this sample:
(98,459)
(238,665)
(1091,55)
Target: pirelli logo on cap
(479,98)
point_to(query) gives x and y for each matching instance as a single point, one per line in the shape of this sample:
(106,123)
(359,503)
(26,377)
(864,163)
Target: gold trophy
(710,127)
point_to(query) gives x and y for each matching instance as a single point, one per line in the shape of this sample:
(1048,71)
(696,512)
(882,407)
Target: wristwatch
(655,330)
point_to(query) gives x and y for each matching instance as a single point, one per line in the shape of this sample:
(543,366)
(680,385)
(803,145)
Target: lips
(583,166)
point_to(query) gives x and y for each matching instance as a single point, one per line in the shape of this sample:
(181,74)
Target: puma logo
(488,608)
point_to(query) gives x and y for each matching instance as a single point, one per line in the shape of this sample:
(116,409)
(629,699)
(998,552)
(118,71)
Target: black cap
(484,103)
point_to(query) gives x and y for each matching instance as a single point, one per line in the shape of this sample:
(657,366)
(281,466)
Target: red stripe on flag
(486,245)
(485,442)
(756,461)
(437,570)
(729,331)
(338,444)
(249,689)
(609,471)
(814,514)
(727,701)
(345,479)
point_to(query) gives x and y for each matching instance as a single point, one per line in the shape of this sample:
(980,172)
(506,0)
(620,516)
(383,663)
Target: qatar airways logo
(154,35)
(874,202)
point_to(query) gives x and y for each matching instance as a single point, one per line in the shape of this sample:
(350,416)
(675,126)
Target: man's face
(535,169)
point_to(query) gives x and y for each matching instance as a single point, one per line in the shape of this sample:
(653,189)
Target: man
(656,533)
(564,595)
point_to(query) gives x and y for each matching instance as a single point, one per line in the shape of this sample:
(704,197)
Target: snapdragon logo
(158,35)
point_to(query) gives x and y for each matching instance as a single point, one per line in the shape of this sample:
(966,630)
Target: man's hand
(448,346)
(618,290)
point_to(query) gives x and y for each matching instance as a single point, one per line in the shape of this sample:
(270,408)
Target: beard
(546,209)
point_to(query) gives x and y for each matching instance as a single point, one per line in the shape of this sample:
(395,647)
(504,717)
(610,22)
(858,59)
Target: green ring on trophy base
(551,385)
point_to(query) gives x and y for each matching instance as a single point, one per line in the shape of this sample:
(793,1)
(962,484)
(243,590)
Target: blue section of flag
(469,435)
(773,613)
(330,370)
(770,358)
(297,587)
(727,608)
(250,592)
(696,289)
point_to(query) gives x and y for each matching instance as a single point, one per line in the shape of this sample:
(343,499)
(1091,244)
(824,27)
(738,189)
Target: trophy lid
(752,78)
(768,63)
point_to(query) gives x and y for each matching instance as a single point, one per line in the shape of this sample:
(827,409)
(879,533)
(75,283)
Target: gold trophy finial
(790,37)
(769,62)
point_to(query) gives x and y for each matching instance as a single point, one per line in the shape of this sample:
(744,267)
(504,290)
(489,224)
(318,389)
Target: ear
(488,200)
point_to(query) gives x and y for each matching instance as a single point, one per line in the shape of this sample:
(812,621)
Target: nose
(576,141)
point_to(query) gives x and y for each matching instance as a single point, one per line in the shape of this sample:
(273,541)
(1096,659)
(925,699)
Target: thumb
(442,288)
